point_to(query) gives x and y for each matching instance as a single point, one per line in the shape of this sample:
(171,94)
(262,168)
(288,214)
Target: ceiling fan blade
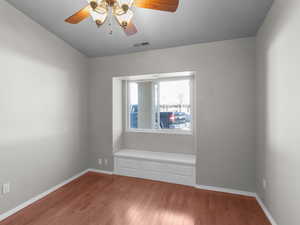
(79,16)
(163,5)
(130,29)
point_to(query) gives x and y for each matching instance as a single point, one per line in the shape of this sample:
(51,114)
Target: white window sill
(152,131)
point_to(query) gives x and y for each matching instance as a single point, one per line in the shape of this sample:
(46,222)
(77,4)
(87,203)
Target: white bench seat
(169,167)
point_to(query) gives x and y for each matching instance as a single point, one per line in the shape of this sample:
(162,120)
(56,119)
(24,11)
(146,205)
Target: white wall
(278,70)
(42,108)
(225,83)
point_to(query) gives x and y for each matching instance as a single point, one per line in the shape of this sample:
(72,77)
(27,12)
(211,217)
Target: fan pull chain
(109,25)
(110,29)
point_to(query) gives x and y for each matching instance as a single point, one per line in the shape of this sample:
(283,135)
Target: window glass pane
(175,104)
(160,104)
(156,107)
(133,104)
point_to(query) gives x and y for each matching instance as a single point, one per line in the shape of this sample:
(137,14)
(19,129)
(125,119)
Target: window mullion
(158,104)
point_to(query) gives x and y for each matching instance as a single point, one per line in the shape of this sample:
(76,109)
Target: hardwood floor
(98,199)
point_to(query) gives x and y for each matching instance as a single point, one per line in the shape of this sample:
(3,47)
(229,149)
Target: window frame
(161,131)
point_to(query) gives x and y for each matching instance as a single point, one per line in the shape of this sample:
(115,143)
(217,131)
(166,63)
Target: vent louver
(141,44)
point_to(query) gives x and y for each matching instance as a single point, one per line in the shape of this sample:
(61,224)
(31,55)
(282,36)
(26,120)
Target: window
(161,104)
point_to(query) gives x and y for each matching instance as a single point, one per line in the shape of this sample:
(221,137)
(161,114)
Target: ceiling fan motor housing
(94,5)
(110,2)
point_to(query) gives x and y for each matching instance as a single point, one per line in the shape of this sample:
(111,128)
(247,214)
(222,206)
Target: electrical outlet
(6,188)
(105,161)
(264,183)
(100,161)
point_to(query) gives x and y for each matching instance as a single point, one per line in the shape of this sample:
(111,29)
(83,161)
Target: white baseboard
(266,211)
(226,190)
(101,171)
(38,197)
(210,188)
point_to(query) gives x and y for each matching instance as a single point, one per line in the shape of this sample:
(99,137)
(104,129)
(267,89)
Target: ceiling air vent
(142,44)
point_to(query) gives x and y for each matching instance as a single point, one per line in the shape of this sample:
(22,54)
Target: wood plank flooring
(98,199)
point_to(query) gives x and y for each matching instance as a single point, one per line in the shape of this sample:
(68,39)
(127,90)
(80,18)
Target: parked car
(168,120)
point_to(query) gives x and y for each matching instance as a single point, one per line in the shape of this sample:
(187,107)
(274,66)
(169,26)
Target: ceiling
(196,21)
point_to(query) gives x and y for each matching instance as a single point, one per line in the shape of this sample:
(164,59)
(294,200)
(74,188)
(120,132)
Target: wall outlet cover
(6,188)
(100,161)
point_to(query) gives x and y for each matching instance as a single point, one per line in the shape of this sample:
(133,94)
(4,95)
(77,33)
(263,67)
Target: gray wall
(278,69)
(42,108)
(225,85)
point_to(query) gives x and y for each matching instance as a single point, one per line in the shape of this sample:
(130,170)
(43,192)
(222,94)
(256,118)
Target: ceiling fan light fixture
(117,10)
(125,18)
(102,7)
(122,10)
(93,4)
(125,8)
(99,18)
(129,3)
(101,10)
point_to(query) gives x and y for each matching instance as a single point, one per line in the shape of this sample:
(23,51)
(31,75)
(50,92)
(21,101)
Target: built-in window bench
(161,166)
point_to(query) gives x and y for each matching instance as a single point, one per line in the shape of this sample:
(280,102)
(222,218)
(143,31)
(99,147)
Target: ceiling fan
(121,10)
